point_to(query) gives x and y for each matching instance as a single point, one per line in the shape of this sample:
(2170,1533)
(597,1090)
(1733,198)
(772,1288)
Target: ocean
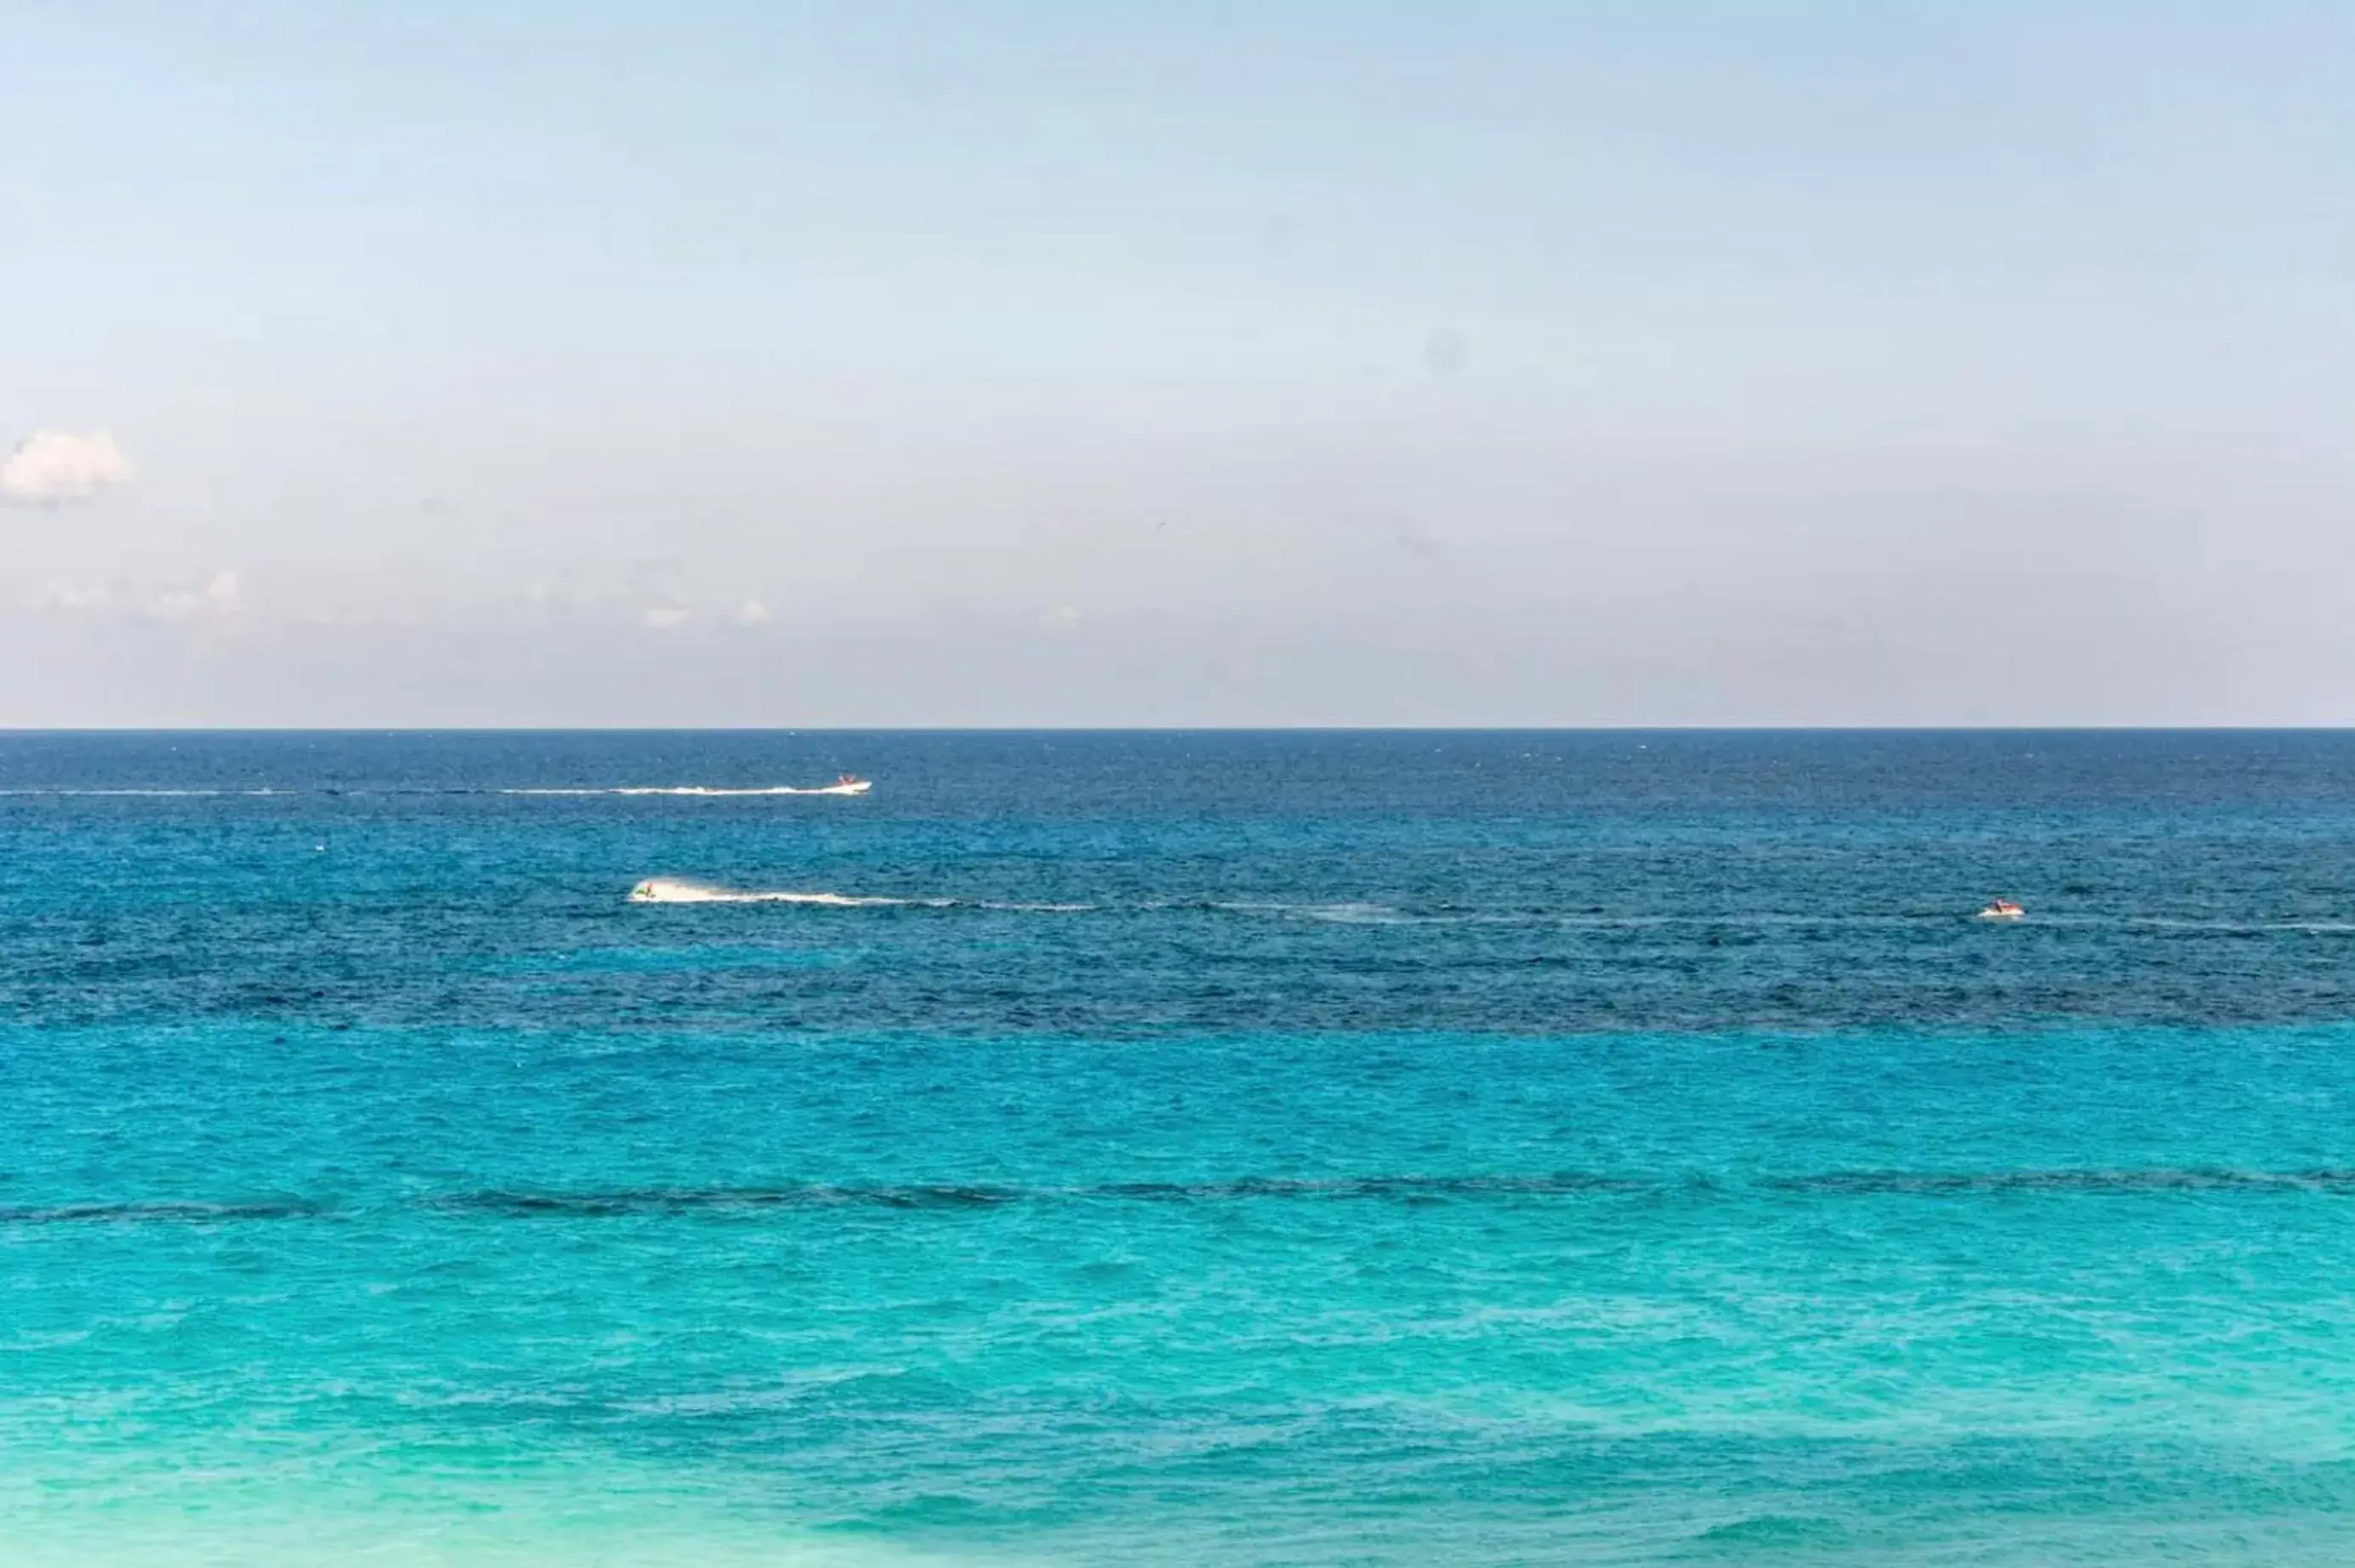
(1184,1148)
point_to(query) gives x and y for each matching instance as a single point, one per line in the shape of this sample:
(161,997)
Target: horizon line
(11,731)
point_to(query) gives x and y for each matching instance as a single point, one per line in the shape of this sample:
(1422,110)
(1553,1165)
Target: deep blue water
(1190,1149)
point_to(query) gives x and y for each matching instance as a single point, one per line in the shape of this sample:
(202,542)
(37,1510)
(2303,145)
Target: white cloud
(220,595)
(71,599)
(752,613)
(664,617)
(217,597)
(51,467)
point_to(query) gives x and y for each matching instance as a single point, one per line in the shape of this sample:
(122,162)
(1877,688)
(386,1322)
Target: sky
(1335,362)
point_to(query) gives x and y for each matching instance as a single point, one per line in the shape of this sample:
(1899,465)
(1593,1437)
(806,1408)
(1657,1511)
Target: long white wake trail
(859,787)
(677,891)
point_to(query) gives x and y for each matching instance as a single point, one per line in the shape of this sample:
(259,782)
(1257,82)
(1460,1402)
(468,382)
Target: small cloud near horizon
(219,596)
(53,468)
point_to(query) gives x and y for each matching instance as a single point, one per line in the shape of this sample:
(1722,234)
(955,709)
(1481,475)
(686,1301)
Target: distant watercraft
(848,783)
(2002,909)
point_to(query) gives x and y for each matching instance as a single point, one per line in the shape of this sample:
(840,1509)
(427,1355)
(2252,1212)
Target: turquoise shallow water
(1228,1149)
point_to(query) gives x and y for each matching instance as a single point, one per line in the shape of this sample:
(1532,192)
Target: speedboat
(848,783)
(2002,909)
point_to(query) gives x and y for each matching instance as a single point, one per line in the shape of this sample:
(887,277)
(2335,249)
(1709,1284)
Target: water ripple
(168,1212)
(2166,1178)
(961,1197)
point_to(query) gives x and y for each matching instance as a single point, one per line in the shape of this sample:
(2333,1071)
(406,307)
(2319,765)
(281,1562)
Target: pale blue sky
(929,363)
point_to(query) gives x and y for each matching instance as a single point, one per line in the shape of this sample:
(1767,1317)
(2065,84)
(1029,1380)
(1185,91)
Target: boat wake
(677,891)
(684,891)
(1344,913)
(845,786)
(858,786)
